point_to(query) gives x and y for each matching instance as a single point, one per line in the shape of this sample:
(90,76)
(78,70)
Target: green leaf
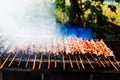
(109,36)
(99,13)
(113,19)
(94,25)
(87,4)
(98,1)
(93,8)
(104,18)
(112,8)
(91,17)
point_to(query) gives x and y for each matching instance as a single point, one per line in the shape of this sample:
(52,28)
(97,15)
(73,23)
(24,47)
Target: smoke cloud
(27,20)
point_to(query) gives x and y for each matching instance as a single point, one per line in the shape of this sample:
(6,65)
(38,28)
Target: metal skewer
(34,61)
(20,60)
(95,60)
(27,60)
(77,62)
(81,61)
(5,60)
(112,64)
(89,62)
(49,61)
(12,60)
(70,61)
(40,61)
(63,60)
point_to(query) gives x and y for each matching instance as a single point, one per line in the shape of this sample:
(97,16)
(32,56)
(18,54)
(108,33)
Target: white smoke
(27,19)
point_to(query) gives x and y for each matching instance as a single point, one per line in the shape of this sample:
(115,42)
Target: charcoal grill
(83,63)
(41,60)
(50,62)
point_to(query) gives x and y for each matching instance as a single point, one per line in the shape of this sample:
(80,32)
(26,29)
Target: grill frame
(45,61)
(59,68)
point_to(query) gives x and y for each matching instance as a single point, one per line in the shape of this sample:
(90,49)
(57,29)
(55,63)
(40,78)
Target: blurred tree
(74,12)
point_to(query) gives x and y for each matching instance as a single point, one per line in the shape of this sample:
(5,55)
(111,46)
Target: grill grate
(66,54)
(62,62)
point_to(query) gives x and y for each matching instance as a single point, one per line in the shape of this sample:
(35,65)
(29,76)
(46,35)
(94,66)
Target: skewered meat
(68,46)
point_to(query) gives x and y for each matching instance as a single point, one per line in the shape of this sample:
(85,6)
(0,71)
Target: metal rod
(89,62)
(77,62)
(12,60)
(81,61)
(42,76)
(105,61)
(20,60)
(5,60)
(55,62)
(27,60)
(91,76)
(95,60)
(34,61)
(101,61)
(40,61)
(112,64)
(70,61)
(63,60)
(49,61)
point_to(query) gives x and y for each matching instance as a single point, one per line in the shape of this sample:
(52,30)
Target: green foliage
(113,19)
(109,36)
(74,11)
(112,8)
(94,25)
(87,4)
(95,7)
(98,1)
(104,18)
(60,4)
(91,17)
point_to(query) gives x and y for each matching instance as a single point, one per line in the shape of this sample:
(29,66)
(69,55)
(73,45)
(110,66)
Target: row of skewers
(97,49)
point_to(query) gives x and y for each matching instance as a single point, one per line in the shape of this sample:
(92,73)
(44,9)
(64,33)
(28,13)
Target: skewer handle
(77,62)
(105,61)
(116,62)
(12,60)
(34,61)
(63,61)
(113,64)
(27,61)
(81,61)
(70,61)
(5,61)
(89,62)
(49,61)
(101,61)
(55,62)
(40,61)
(20,60)
(95,60)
